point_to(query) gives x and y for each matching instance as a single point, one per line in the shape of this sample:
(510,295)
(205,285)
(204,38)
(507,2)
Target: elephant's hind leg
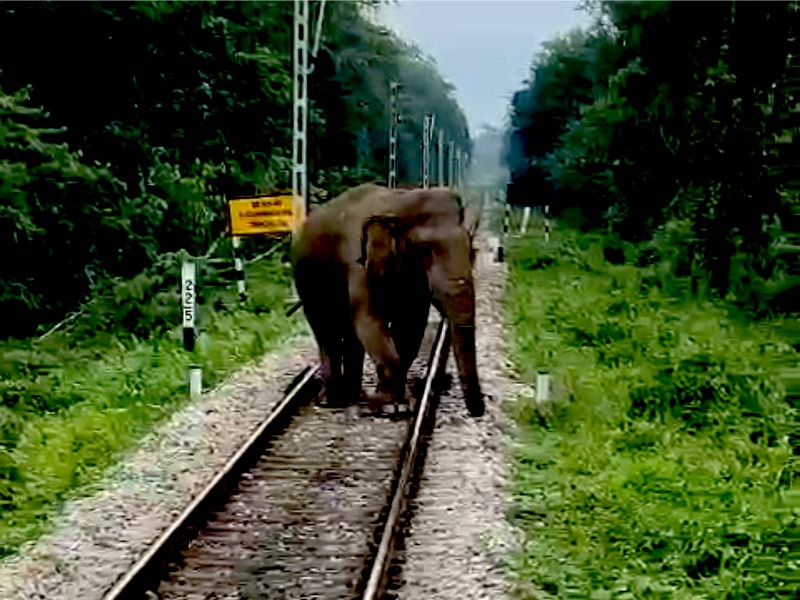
(331,355)
(408,329)
(321,314)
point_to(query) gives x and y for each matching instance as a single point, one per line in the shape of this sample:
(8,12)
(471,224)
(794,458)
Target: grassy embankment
(664,467)
(73,401)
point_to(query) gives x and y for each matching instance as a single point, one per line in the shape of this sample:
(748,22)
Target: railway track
(307,508)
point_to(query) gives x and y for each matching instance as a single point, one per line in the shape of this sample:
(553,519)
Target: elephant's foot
(376,402)
(335,401)
(476,406)
(336,396)
(387,405)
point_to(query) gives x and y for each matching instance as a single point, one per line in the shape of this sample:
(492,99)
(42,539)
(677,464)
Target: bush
(664,467)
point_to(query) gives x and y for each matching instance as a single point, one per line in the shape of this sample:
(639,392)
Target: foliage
(664,466)
(124,126)
(70,404)
(658,112)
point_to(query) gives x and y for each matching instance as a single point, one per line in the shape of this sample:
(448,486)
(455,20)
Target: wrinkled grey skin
(367,267)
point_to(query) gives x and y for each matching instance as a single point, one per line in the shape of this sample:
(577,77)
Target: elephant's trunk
(460,311)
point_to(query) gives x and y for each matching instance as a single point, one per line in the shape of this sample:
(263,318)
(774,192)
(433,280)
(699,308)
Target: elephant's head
(427,239)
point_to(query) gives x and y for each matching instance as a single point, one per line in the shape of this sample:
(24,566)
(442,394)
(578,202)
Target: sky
(483,47)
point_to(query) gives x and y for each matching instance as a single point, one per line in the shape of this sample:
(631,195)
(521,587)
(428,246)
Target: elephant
(367,267)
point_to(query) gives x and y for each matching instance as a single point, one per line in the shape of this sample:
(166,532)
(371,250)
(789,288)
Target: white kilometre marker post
(189,310)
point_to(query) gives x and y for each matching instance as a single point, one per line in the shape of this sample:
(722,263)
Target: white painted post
(189,310)
(526,215)
(394,118)
(239,266)
(547,222)
(542,386)
(300,111)
(506,226)
(195,381)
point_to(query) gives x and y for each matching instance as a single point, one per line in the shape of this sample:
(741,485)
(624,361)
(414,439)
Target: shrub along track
(307,520)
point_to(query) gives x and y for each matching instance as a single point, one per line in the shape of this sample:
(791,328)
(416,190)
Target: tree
(137,118)
(660,112)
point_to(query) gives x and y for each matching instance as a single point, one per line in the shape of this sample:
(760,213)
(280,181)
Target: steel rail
(132,581)
(378,569)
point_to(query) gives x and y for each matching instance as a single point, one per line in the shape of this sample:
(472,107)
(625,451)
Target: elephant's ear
(379,244)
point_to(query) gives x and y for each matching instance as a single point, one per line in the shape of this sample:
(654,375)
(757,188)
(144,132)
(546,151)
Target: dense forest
(124,124)
(666,123)
(664,304)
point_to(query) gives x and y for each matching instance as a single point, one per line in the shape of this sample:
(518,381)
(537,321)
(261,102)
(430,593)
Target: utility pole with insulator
(394,119)
(300,111)
(440,169)
(458,168)
(426,125)
(450,158)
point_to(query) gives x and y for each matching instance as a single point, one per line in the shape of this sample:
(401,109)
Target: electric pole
(394,119)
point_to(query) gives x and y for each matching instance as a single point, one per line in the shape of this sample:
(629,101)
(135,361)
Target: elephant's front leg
(408,328)
(374,336)
(353,365)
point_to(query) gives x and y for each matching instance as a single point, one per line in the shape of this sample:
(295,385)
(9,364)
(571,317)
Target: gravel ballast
(97,538)
(458,536)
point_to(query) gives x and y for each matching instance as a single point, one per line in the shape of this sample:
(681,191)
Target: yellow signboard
(261,215)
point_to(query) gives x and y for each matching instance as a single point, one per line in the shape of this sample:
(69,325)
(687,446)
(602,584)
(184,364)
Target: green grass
(73,402)
(664,466)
